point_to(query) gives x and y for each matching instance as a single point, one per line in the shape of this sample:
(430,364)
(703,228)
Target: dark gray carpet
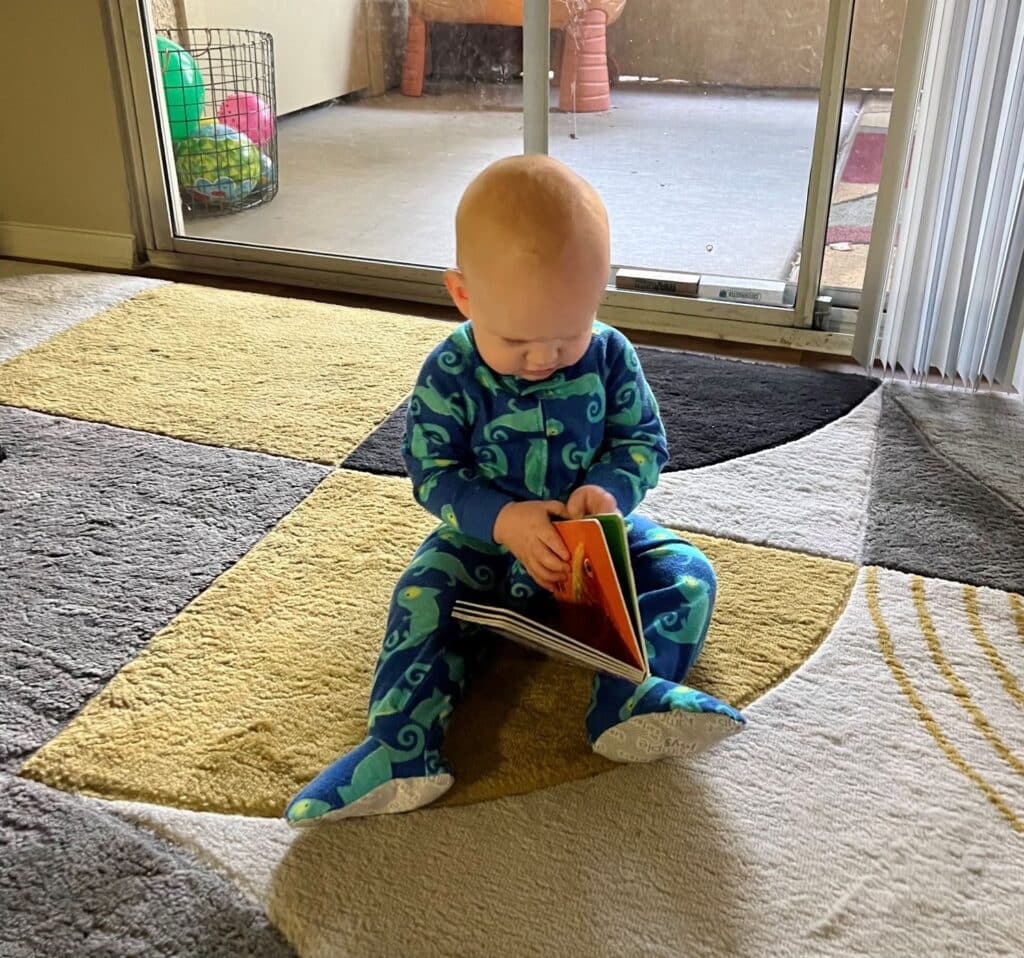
(106,533)
(927,514)
(77,880)
(982,433)
(714,409)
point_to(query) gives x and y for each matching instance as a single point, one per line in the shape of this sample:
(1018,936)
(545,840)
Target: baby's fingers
(557,509)
(548,581)
(550,571)
(551,563)
(600,501)
(551,541)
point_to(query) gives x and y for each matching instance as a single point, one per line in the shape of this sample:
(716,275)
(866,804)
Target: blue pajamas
(425,658)
(476,441)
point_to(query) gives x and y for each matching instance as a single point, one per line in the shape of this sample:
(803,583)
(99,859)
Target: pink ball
(249,114)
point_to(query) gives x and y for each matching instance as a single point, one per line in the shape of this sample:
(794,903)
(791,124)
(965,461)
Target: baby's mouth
(539,373)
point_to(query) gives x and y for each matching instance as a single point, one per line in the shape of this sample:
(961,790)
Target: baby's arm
(635,448)
(439,459)
(447,481)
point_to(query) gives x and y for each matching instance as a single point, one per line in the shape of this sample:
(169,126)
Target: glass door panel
(705,154)
(711,136)
(381,122)
(874,47)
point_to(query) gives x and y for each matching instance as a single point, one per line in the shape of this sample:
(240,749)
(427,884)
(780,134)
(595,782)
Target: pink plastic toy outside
(249,114)
(583,73)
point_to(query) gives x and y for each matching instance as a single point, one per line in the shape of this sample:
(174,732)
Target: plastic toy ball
(268,175)
(184,89)
(249,114)
(219,165)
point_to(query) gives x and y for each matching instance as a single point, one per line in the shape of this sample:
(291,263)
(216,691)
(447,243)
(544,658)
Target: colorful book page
(618,545)
(591,605)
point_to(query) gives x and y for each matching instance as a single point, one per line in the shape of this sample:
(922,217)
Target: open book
(594,620)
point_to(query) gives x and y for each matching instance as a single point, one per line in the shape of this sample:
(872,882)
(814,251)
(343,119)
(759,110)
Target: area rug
(202,512)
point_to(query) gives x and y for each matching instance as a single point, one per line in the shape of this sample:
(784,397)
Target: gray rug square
(106,533)
(111,888)
(936,510)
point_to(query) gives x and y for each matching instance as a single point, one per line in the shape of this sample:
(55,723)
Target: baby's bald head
(533,262)
(533,211)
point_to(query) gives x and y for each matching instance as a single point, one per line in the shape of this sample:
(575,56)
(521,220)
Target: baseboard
(57,244)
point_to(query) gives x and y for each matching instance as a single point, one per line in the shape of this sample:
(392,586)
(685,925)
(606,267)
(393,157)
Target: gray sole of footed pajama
(648,738)
(392,798)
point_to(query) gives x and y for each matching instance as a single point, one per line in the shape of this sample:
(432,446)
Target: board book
(594,620)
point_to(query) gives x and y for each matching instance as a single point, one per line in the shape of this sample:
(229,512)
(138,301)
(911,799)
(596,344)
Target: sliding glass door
(712,136)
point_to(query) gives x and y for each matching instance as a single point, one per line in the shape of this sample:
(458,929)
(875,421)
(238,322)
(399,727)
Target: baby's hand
(526,530)
(590,501)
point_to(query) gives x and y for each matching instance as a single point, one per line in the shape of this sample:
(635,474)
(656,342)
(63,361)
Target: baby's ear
(456,285)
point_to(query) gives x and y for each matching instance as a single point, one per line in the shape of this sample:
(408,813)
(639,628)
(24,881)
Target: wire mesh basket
(218,86)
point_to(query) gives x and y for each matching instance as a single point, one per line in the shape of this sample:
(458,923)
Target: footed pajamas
(476,441)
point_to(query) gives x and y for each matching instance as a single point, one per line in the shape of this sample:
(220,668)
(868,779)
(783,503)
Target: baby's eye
(588,568)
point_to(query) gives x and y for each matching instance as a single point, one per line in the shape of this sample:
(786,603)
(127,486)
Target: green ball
(184,91)
(219,164)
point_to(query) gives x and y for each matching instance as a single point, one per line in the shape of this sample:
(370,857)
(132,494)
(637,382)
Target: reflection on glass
(858,173)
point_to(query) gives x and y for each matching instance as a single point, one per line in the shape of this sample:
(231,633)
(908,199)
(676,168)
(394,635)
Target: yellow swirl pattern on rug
(958,686)
(1018,614)
(928,720)
(995,659)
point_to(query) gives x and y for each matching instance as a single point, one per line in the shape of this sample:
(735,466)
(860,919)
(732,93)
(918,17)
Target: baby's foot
(664,720)
(370,780)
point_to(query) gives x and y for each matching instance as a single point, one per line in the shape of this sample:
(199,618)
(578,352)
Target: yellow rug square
(263,679)
(282,376)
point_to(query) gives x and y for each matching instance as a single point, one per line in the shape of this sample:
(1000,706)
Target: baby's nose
(543,357)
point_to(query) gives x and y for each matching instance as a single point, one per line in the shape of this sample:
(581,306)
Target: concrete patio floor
(713,181)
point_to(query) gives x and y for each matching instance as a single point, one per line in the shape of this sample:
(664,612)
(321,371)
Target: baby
(529,412)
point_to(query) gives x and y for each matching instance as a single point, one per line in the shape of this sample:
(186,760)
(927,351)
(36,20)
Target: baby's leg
(660,718)
(420,676)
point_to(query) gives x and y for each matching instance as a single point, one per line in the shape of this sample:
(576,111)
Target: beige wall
(319,53)
(166,13)
(770,43)
(61,154)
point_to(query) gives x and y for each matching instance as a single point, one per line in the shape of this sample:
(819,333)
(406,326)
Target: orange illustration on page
(592,581)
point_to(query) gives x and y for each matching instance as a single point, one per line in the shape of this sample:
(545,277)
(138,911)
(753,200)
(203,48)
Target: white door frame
(151,163)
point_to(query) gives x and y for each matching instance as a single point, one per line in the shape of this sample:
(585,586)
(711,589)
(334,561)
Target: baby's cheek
(576,353)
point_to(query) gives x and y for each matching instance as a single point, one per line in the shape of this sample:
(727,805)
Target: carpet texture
(809,495)
(224,710)
(189,626)
(227,368)
(931,515)
(106,534)
(38,304)
(69,880)
(987,445)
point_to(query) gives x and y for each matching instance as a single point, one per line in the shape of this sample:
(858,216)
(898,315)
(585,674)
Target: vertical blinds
(955,271)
